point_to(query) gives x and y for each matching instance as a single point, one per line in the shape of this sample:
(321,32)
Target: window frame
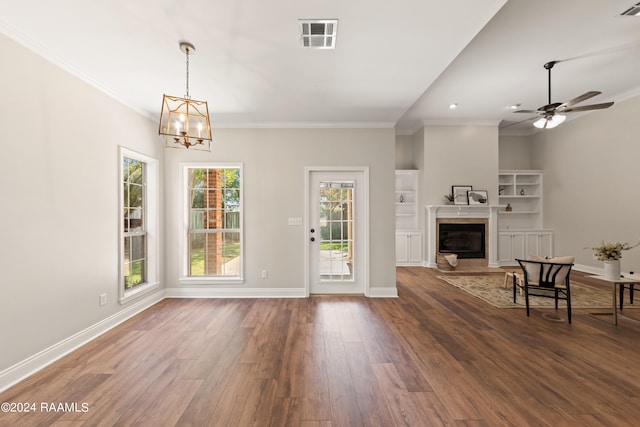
(184,278)
(151,225)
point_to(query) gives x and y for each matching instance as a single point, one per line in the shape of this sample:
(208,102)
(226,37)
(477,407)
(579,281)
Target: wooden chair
(545,279)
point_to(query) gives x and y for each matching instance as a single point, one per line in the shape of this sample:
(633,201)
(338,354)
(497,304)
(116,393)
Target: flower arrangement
(610,251)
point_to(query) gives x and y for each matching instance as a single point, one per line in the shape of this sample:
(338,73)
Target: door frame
(365,209)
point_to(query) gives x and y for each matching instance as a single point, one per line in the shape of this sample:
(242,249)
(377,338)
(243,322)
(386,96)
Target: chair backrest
(546,274)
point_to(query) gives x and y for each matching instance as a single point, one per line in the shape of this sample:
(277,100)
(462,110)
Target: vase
(612,269)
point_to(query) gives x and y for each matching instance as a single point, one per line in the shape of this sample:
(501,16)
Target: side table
(621,282)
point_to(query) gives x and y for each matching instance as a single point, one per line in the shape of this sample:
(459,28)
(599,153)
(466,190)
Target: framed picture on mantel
(477,197)
(460,194)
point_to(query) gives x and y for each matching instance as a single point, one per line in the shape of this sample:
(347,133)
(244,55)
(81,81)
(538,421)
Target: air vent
(318,33)
(632,11)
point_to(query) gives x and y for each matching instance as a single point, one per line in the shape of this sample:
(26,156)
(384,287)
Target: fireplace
(467,240)
(486,215)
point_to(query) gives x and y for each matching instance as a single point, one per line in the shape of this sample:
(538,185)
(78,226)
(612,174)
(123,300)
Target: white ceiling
(397,63)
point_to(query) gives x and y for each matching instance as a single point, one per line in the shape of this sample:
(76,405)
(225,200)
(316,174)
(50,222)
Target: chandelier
(183,121)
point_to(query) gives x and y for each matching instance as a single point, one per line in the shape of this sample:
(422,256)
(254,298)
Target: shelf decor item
(611,253)
(449,198)
(460,194)
(508,208)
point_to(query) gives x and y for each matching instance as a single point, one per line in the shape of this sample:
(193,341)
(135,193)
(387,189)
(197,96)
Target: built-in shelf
(522,190)
(408,236)
(521,228)
(406,198)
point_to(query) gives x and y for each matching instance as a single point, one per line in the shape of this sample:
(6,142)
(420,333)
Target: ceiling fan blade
(527,111)
(518,122)
(588,107)
(578,99)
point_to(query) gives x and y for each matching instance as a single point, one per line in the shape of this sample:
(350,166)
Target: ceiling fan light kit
(548,123)
(184,121)
(552,114)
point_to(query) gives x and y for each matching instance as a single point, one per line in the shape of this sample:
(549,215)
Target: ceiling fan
(552,114)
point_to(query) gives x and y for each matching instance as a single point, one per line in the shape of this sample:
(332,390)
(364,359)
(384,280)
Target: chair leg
(568,295)
(514,287)
(631,293)
(526,298)
(556,298)
(621,288)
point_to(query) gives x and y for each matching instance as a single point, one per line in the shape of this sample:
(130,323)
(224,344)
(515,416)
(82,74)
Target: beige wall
(591,181)
(404,152)
(460,155)
(59,191)
(514,152)
(274,162)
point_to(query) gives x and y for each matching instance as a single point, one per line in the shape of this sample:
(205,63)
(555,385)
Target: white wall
(591,182)
(59,192)
(274,162)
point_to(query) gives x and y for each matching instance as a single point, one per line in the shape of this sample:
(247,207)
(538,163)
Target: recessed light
(453,106)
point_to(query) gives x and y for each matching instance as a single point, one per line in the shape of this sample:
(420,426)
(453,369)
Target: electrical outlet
(265,274)
(103,299)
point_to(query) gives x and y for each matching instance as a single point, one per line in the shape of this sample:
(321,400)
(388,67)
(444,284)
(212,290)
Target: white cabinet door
(402,248)
(415,248)
(408,248)
(511,246)
(540,243)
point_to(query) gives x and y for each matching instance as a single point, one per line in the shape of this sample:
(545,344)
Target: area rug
(491,289)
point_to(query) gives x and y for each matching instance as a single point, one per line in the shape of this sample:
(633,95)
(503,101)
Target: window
(134,235)
(214,233)
(138,240)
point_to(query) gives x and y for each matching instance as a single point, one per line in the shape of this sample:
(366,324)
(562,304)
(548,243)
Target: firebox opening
(465,240)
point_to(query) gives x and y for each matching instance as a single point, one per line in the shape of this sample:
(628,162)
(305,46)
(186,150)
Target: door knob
(313,230)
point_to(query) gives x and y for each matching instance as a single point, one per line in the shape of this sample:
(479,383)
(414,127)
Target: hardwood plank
(373,408)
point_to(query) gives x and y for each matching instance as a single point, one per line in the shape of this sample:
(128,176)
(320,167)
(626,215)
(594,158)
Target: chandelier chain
(187,53)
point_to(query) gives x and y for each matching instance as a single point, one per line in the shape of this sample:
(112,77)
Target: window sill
(138,291)
(211,281)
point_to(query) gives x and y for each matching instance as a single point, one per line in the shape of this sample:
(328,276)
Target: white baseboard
(16,373)
(588,269)
(235,293)
(380,292)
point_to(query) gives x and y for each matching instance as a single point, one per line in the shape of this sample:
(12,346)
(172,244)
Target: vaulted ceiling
(396,64)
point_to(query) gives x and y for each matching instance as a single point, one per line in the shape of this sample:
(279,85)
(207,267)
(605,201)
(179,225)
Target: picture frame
(460,196)
(478,197)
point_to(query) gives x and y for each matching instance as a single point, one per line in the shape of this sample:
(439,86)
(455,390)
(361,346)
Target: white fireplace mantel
(490,212)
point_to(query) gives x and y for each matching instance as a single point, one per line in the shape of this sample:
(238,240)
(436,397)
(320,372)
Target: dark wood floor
(435,356)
